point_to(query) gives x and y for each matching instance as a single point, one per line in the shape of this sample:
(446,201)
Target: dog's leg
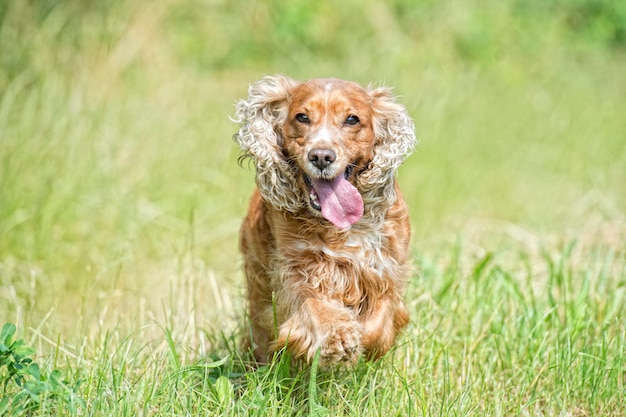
(260,316)
(381,323)
(259,308)
(324,325)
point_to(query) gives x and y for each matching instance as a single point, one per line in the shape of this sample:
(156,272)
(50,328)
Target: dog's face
(328,145)
(329,136)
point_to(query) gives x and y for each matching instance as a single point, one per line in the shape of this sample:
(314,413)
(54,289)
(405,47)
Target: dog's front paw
(319,325)
(342,344)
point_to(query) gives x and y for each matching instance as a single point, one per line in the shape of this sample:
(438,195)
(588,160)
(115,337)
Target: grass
(121,198)
(486,339)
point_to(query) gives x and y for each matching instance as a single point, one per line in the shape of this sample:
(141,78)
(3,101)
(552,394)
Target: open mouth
(313,200)
(338,200)
(313,197)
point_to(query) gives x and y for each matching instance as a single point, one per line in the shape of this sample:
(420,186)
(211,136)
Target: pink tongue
(341,202)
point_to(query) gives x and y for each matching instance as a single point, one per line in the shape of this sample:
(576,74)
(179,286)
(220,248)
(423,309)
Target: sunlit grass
(121,198)
(541,334)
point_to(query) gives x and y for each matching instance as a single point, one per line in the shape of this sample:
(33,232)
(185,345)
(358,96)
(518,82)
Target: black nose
(321,158)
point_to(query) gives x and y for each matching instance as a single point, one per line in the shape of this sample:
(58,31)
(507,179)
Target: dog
(325,242)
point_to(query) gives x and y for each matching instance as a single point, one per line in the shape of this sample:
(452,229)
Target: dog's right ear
(261,114)
(260,117)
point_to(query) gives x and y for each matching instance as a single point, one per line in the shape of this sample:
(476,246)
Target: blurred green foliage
(219,35)
(115,143)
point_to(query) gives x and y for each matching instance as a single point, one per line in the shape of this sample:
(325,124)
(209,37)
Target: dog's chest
(362,251)
(348,265)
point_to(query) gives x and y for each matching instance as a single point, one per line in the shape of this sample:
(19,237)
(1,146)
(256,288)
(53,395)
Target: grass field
(121,199)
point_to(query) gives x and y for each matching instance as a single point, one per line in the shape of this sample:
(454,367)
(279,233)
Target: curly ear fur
(259,117)
(395,140)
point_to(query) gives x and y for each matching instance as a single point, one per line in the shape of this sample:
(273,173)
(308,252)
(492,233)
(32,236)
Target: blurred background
(120,191)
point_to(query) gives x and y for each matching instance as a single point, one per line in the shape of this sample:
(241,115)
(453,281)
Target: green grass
(121,198)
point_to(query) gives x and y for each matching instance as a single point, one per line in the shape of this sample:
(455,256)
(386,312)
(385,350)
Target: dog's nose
(322,158)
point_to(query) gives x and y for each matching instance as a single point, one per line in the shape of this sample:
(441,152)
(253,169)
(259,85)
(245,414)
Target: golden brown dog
(325,241)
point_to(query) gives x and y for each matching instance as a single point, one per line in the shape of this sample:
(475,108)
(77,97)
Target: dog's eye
(303,118)
(352,120)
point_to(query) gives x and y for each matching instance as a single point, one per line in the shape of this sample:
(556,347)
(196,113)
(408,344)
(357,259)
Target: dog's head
(326,144)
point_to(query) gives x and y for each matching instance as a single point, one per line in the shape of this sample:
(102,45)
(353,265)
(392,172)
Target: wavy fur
(312,285)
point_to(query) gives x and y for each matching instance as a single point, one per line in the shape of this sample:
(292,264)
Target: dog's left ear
(394,141)
(393,129)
